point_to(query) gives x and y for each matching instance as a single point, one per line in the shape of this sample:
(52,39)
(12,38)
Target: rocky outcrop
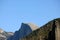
(50,31)
(26,29)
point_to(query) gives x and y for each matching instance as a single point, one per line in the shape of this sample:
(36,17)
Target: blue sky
(39,12)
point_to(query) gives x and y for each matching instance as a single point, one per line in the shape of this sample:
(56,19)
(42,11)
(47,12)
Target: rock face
(26,29)
(57,31)
(50,31)
(33,26)
(4,35)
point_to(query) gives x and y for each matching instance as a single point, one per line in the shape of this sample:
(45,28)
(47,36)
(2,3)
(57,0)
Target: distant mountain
(29,31)
(4,35)
(26,29)
(50,31)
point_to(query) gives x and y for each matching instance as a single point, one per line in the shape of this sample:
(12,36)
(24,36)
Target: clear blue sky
(39,12)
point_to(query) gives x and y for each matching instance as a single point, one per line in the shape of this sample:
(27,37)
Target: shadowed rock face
(50,31)
(51,34)
(25,30)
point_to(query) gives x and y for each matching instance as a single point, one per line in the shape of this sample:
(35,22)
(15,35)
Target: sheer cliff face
(26,29)
(57,31)
(33,26)
(50,31)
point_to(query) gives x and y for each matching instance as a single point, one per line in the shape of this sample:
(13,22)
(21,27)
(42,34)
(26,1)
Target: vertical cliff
(57,31)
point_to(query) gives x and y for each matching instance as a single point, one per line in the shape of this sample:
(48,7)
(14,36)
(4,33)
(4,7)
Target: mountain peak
(31,25)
